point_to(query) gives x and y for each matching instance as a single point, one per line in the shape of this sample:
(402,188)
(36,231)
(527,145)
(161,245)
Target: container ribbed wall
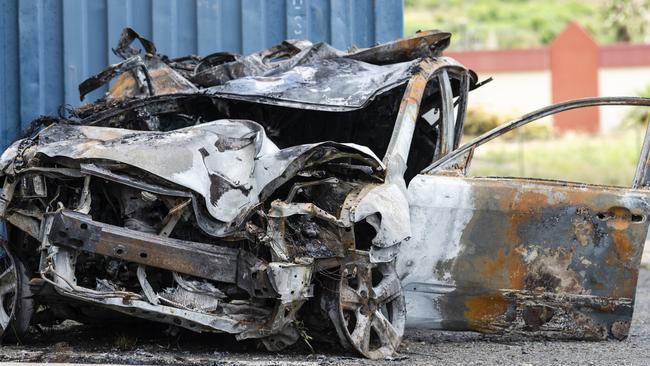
(49,46)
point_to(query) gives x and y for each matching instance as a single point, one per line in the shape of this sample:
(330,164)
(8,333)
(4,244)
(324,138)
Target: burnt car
(245,194)
(210,194)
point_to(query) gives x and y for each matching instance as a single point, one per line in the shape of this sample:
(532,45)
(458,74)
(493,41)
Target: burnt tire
(368,310)
(16,302)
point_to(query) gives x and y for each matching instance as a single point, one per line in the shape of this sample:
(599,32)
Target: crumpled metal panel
(198,158)
(333,84)
(513,255)
(49,47)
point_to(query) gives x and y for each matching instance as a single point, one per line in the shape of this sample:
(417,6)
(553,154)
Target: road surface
(73,342)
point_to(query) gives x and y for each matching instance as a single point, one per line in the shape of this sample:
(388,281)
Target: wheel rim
(371,308)
(8,289)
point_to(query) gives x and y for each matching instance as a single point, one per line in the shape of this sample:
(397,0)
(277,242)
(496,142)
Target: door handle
(620,214)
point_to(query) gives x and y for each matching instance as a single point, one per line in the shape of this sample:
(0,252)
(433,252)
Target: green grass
(608,159)
(511,23)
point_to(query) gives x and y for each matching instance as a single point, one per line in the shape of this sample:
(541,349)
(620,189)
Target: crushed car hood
(228,163)
(337,84)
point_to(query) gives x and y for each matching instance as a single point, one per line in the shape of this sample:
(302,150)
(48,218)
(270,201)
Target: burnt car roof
(337,84)
(331,84)
(294,73)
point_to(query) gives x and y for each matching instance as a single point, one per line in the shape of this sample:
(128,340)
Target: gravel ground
(72,342)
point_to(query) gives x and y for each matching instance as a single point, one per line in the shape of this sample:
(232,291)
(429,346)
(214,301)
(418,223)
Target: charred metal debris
(209,193)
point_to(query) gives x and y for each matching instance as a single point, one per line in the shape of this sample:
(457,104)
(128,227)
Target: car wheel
(16,303)
(369,312)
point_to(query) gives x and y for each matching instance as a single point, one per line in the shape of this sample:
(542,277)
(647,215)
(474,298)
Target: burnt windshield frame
(452,112)
(430,69)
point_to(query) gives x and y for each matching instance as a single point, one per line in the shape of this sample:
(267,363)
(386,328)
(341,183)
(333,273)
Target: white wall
(513,94)
(620,82)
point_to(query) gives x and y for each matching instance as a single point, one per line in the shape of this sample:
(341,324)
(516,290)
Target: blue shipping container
(49,46)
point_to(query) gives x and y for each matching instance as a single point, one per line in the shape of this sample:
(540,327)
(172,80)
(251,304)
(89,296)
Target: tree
(627,20)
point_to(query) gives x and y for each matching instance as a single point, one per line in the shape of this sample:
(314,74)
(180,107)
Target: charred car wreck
(245,194)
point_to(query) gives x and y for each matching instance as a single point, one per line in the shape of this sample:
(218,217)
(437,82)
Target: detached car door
(520,255)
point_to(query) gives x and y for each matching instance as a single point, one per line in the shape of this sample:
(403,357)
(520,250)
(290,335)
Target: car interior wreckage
(305,189)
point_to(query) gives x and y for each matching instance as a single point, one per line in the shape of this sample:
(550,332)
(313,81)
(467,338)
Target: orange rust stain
(622,246)
(123,82)
(483,309)
(531,201)
(412,97)
(525,207)
(417,85)
(525,200)
(629,285)
(491,268)
(505,271)
(622,256)
(161,78)
(621,218)
(414,92)
(577,196)
(626,286)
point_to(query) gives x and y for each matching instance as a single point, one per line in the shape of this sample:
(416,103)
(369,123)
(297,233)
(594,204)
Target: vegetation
(608,159)
(627,20)
(528,23)
(534,151)
(478,121)
(639,116)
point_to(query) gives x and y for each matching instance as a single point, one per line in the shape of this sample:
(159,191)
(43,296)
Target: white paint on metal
(228,176)
(440,207)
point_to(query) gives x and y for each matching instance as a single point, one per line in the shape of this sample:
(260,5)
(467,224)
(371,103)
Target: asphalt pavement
(76,343)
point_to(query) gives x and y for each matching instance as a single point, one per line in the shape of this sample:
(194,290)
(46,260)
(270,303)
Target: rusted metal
(533,257)
(105,76)
(421,45)
(80,232)
(400,143)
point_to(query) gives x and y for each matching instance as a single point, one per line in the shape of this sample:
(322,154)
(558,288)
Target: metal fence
(49,46)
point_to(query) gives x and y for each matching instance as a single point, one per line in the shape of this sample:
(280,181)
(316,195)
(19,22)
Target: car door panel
(522,256)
